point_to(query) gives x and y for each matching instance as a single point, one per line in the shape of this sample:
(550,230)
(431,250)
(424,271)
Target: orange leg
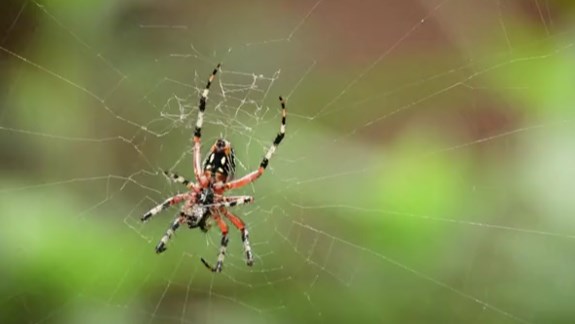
(240,225)
(197,158)
(247,179)
(221,224)
(223,244)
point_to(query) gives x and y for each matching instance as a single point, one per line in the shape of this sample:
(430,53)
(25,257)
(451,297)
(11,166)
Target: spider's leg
(223,244)
(240,225)
(199,123)
(251,177)
(232,201)
(179,179)
(165,205)
(161,246)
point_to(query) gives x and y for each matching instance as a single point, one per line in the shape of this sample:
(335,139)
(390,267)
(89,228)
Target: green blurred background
(426,177)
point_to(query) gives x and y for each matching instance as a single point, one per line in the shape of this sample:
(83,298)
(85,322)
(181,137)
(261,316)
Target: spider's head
(221,162)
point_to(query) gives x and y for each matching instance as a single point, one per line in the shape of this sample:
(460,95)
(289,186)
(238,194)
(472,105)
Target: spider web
(426,174)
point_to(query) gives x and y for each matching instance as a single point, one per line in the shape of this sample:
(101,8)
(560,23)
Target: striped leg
(165,205)
(162,245)
(263,165)
(223,245)
(233,201)
(239,224)
(199,123)
(179,179)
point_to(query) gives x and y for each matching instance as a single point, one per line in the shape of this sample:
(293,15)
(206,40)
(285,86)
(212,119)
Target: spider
(205,199)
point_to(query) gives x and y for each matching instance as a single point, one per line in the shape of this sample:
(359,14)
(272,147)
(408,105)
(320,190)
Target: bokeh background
(427,175)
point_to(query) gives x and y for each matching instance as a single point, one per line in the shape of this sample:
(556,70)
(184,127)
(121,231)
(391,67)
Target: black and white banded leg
(233,201)
(279,137)
(239,224)
(177,178)
(223,245)
(199,123)
(162,245)
(163,206)
(203,99)
(247,248)
(253,176)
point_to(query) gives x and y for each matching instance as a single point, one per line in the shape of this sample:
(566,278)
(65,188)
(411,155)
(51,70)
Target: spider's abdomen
(221,164)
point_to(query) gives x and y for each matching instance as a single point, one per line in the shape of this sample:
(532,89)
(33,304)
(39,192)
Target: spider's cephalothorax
(221,162)
(197,215)
(205,199)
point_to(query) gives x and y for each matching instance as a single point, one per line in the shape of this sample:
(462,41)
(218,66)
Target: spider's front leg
(161,246)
